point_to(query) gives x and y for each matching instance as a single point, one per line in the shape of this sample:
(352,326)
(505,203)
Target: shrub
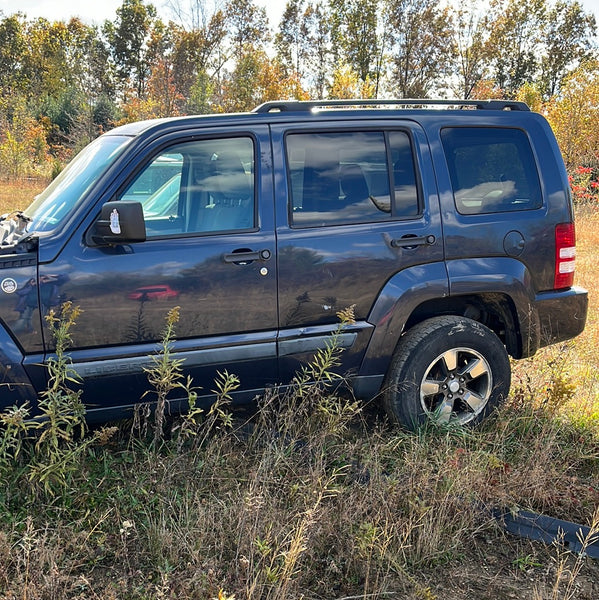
(584,185)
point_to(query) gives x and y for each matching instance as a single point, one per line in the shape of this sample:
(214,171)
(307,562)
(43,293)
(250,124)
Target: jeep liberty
(448,224)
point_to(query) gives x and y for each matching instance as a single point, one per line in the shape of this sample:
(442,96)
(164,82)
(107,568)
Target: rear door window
(351,177)
(491,169)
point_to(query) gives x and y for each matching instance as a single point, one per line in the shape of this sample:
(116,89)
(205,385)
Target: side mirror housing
(119,223)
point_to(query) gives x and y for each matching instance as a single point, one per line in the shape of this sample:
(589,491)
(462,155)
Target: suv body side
(258,297)
(119,330)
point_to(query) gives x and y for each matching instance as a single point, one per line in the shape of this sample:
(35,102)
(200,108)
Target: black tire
(451,369)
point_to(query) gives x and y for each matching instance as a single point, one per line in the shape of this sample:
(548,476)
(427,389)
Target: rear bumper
(562,314)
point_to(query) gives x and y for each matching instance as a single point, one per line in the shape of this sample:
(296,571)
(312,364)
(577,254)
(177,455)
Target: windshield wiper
(13,228)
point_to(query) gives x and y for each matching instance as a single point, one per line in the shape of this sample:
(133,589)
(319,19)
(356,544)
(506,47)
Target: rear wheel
(451,369)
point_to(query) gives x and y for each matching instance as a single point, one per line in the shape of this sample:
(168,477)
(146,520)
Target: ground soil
(507,568)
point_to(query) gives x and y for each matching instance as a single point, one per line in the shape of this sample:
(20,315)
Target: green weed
(59,430)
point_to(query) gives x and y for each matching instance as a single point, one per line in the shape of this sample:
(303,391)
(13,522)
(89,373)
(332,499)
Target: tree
(128,40)
(23,146)
(567,35)
(46,64)
(515,41)
(347,84)
(257,79)
(574,116)
(53,78)
(201,95)
(163,91)
(87,58)
(355,35)
(291,41)
(319,57)
(469,42)
(421,38)
(13,46)
(303,44)
(248,26)
(531,95)
(486,89)
(194,15)
(197,57)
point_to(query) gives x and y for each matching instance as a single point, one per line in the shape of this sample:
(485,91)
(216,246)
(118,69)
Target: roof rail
(311,105)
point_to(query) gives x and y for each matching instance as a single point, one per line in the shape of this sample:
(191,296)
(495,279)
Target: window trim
(417,178)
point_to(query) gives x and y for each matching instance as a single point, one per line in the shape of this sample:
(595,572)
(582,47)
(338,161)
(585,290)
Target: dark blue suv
(448,224)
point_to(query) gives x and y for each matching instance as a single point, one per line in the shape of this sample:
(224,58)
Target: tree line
(63,83)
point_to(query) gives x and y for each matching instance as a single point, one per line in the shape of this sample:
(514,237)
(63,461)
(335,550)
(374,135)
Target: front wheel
(451,369)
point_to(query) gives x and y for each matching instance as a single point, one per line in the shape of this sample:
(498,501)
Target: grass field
(320,498)
(18,195)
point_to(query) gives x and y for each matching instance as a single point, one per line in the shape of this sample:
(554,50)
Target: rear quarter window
(491,170)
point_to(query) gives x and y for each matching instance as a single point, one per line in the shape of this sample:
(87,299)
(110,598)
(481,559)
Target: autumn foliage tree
(23,145)
(574,116)
(420,46)
(63,83)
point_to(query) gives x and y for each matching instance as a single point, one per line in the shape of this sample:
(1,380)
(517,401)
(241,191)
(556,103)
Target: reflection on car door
(212,253)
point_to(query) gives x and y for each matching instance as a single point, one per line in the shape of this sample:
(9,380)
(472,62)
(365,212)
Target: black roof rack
(310,105)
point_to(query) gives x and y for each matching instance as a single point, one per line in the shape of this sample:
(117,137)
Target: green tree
(53,91)
(87,58)
(318,63)
(515,41)
(201,95)
(248,26)
(46,61)
(239,90)
(13,46)
(291,41)
(197,57)
(104,113)
(470,46)
(568,37)
(421,46)
(66,65)
(128,39)
(63,109)
(356,38)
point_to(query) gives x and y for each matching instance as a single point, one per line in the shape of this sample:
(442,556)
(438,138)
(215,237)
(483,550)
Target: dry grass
(17,195)
(565,375)
(323,499)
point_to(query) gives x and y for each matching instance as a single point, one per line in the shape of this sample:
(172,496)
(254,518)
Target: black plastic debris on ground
(576,538)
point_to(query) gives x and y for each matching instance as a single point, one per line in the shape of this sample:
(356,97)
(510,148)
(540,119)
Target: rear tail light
(565,255)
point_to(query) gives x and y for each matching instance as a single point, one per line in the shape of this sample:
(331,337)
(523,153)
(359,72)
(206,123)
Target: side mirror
(119,223)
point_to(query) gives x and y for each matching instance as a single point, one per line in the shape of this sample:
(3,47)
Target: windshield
(61,197)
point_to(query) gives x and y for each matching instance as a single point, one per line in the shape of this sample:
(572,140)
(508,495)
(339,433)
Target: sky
(98,11)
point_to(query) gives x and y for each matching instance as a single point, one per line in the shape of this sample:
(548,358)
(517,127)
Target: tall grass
(315,495)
